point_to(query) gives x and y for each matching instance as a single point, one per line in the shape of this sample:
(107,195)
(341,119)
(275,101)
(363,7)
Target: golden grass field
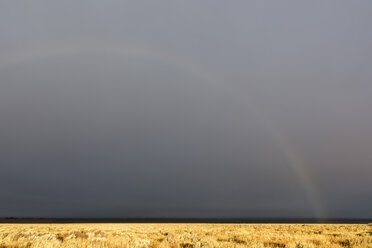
(185,235)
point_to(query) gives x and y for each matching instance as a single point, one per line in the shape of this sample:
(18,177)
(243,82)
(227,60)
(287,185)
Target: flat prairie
(185,235)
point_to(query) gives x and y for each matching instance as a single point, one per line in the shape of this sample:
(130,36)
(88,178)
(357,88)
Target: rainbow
(52,49)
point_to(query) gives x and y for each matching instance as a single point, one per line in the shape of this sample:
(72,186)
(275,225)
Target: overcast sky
(186,109)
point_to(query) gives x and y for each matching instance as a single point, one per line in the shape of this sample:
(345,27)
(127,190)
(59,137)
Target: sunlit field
(185,235)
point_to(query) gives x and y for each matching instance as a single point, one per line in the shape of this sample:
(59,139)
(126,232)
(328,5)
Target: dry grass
(185,235)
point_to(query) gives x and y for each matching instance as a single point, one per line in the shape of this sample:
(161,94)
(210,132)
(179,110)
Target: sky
(186,109)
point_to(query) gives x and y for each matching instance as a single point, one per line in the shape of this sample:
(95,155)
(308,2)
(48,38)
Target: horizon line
(222,220)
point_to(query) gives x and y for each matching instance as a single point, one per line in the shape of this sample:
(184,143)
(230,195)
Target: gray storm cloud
(185,109)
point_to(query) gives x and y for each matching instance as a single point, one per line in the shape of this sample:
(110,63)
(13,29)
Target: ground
(185,235)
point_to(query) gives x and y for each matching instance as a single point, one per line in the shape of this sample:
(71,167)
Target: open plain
(185,235)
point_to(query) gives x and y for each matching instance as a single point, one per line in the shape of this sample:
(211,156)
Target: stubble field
(185,235)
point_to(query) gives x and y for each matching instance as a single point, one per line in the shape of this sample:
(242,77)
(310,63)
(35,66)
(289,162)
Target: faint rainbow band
(57,48)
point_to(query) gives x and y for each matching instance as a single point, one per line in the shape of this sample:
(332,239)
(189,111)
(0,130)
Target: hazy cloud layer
(185,108)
